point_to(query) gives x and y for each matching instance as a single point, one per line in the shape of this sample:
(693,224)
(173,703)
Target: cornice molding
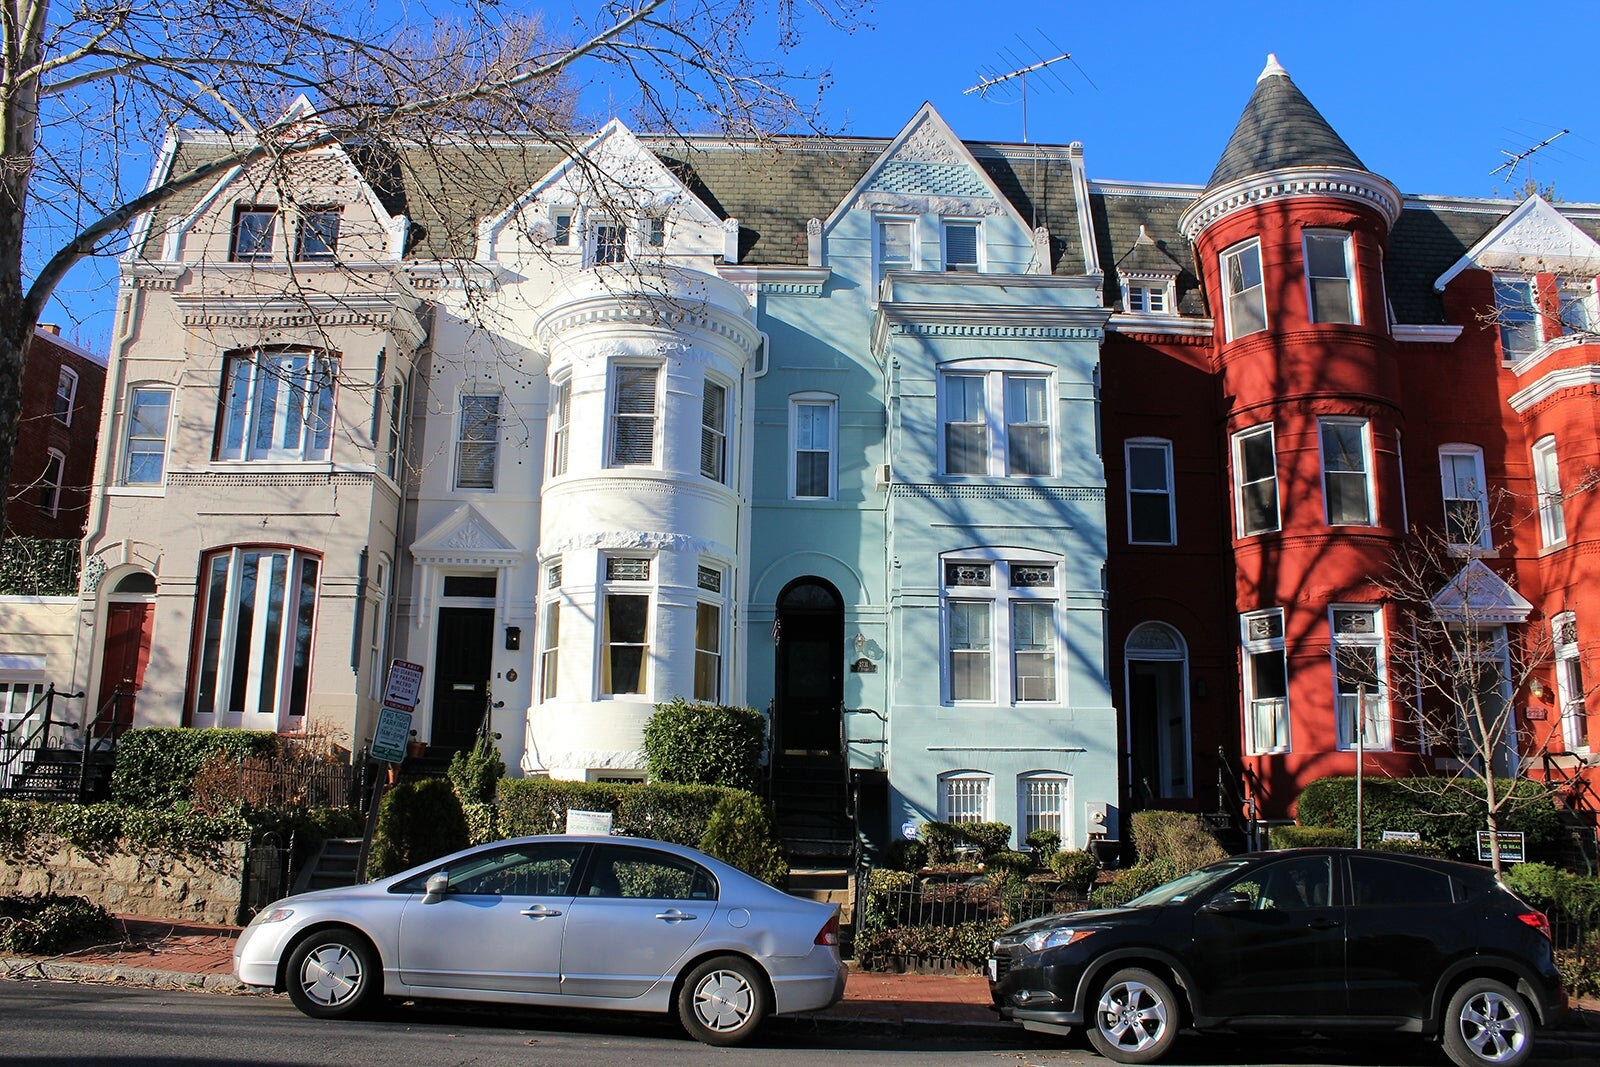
(1412,334)
(1557,380)
(1340,183)
(778,281)
(1132,323)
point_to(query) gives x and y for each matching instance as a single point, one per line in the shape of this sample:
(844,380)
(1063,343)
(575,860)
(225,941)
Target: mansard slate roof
(1280,128)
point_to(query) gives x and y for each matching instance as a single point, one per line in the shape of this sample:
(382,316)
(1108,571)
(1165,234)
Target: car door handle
(673,915)
(1324,924)
(539,911)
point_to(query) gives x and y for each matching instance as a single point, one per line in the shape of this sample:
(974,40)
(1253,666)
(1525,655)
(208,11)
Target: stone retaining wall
(131,879)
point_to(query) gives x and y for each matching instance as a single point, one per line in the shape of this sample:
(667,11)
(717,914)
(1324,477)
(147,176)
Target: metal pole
(1361,752)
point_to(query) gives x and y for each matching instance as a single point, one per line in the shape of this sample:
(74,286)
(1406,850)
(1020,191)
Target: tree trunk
(1492,804)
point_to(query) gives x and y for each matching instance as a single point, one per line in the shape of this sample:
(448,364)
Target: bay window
(708,635)
(1346,472)
(1266,682)
(1255,480)
(714,432)
(1243,292)
(277,406)
(996,421)
(256,618)
(1330,277)
(1358,677)
(1001,630)
(633,415)
(625,626)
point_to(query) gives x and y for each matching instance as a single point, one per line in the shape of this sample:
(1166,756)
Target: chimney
(50,328)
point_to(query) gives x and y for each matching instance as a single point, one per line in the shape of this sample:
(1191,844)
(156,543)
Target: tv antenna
(1002,81)
(1512,160)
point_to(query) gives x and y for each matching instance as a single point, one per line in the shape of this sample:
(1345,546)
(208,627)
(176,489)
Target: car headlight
(275,915)
(1061,935)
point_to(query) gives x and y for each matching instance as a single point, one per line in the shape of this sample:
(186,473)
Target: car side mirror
(435,888)
(1227,903)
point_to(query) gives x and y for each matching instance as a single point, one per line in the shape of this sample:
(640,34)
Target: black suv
(1325,940)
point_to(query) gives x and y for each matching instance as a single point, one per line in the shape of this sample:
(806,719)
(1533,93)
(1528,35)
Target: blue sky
(1430,95)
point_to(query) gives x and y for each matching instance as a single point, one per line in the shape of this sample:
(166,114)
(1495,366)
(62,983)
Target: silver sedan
(596,922)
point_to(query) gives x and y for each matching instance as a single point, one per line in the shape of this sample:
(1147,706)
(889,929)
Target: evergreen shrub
(705,744)
(417,822)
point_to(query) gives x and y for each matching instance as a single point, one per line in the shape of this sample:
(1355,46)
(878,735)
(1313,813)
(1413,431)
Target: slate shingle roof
(1280,128)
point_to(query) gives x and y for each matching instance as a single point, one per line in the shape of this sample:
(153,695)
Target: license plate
(994,969)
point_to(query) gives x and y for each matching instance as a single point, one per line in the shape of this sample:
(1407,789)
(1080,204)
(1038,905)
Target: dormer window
(1148,297)
(961,247)
(655,231)
(252,233)
(1241,284)
(318,236)
(1330,278)
(1577,301)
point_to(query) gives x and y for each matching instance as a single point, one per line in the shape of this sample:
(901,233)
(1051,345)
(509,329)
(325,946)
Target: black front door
(461,674)
(810,682)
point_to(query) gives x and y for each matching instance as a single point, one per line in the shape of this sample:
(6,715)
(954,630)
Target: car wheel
(333,974)
(722,1001)
(1135,1017)
(1488,1022)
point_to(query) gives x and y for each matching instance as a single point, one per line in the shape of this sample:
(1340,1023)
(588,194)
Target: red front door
(128,629)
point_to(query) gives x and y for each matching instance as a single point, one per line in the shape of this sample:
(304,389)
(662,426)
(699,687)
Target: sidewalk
(161,954)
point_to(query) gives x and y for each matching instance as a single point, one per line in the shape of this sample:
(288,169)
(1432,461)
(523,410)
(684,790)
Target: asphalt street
(53,1024)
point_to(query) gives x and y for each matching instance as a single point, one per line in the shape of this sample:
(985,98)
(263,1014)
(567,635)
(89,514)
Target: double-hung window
(1266,681)
(252,233)
(55,472)
(378,641)
(395,442)
(813,438)
(1517,316)
(1547,479)
(256,619)
(1255,480)
(560,426)
(894,247)
(561,226)
(625,626)
(1358,673)
(317,237)
(714,432)
(1346,472)
(550,632)
(708,634)
(1150,504)
(144,450)
(633,415)
(1243,291)
(995,422)
(1569,681)
(961,246)
(478,441)
(1330,277)
(277,406)
(66,395)
(1002,630)
(1466,504)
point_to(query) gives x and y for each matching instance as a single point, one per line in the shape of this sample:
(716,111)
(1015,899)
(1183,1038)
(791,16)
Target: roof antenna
(1512,160)
(1002,81)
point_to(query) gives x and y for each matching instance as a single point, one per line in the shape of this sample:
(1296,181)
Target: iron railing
(26,737)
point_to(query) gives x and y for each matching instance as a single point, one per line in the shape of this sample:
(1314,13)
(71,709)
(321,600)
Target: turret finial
(1273,68)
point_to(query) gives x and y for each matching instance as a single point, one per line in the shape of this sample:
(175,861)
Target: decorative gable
(466,539)
(1534,239)
(1480,596)
(614,176)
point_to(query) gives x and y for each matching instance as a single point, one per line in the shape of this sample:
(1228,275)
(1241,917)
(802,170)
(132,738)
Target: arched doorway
(1159,761)
(130,620)
(809,689)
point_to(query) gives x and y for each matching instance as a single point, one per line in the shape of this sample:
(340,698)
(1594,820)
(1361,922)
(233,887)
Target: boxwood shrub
(417,822)
(1445,812)
(156,767)
(705,744)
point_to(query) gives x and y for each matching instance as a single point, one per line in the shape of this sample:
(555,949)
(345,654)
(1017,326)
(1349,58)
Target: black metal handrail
(17,756)
(91,743)
(1241,811)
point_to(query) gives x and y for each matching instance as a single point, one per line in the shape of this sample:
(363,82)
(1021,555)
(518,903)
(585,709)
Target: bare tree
(79,84)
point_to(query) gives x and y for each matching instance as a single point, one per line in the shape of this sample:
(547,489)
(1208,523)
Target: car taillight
(829,934)
(1537,920)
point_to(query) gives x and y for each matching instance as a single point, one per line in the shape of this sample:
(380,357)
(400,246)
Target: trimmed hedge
(944,838)
(740,833)
(156,767)
(1446,815)
(1075,867)
(705,744)
(98,828)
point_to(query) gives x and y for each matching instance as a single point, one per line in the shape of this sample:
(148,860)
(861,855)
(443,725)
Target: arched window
(966,796)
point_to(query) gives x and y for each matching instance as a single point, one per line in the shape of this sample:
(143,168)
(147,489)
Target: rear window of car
(1379,883)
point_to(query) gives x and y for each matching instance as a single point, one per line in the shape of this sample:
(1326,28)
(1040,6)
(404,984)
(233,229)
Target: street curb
(25,968)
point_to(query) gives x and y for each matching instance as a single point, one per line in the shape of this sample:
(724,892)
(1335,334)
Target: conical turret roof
(1280,128)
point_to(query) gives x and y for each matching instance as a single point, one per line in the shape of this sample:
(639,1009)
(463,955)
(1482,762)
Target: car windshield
(1181,889)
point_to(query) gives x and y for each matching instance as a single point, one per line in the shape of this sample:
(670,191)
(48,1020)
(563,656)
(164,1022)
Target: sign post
(389,740)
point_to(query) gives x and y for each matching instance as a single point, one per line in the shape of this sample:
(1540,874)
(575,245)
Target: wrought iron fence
(922,921)
(269,870)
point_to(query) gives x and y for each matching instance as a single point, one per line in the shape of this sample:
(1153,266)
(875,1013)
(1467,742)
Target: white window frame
(996,415)
(1164,446)
(1033,805)
(977,264)
(1376,727)
(1255,294)
(1547,481)
(615,248)
(1276,737)
(50,487)
(1364,427)
(714,437)
(1519,329)
(609,587)
(488,444)
(880,264)
(1449,490)
(1577,305)
(1268,430)
(66,395)
(969,790)
(1146,296)
(563,225)
(830,402)
(139,444)
(560,426)
(1571,694)
(394,444)
(1346,240)
(242,401)
(999,600)
(277,691)
(550,632)
(615,416)
(714,600)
